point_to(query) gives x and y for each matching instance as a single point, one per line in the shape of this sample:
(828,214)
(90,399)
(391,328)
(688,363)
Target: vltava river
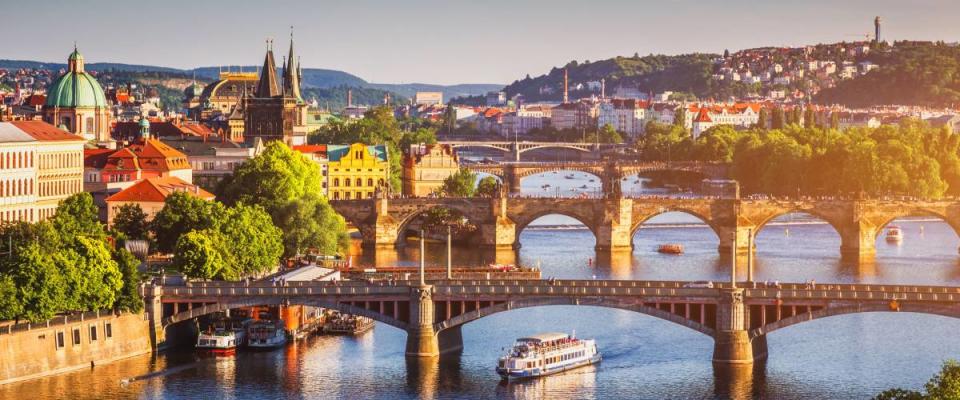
(851,356)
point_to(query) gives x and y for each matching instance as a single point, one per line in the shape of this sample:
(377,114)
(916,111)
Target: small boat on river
(223,337)
(670,248)
(894,234)
(266,335)
(546,354)
(346,324)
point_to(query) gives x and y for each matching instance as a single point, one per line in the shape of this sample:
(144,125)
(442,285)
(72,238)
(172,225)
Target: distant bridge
(515,149)
(610,174)
(738,319)
(614,220)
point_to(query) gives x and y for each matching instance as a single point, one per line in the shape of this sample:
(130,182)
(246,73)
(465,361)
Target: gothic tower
(276,111)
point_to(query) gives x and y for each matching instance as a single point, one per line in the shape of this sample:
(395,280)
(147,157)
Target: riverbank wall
(70,343)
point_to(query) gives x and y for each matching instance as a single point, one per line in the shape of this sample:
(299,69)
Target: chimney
(603,88)
(565,86)
(349,98)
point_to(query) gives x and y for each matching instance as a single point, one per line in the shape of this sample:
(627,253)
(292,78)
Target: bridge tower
(732,342)
(511,179)
(153,308)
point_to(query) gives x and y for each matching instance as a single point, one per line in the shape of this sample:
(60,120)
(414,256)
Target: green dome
(76,89)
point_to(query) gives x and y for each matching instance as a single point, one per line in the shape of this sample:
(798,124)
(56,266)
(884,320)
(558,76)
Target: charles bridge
(613,220)
(516,148)
(737,315)
(610,174)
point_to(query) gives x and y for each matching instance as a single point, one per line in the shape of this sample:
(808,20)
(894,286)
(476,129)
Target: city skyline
(441,43)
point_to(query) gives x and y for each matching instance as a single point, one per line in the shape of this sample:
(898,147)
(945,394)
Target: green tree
(255,244)
(763,118)
(272,179)
(40,286)
(78,215)
(460,184)
(129,298)
(777,119)
(680,116)
(809,118)
(10,305)
(131,221)
(182,213)
(95,279)
(199,255)
(487,187)
(311,223)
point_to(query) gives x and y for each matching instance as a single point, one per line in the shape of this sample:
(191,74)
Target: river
(850,356)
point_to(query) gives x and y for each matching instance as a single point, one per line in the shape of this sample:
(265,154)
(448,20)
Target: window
(59,340)
(93,333)
(346,182)
(76,336)
(108,330)
(336,195)
(336,182)
(359,182)
(369,181)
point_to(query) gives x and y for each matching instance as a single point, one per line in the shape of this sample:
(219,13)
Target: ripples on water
(851,356)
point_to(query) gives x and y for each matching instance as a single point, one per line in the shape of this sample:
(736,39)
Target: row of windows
(358,170)
(18,187)
(93,335)
(60,188)
(359,182)
(348,195)
(60,160)
(17,215)
(18,159)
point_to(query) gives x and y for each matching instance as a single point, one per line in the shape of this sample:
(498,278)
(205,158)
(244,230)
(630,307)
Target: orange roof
(157,190)
(43,131)
(311,148)
(703,116)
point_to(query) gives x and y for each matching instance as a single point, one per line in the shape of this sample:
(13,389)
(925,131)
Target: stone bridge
(609,174)
(738,319)
(515,149)
(614,220)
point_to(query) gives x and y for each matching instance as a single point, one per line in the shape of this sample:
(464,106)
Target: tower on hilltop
(876,29)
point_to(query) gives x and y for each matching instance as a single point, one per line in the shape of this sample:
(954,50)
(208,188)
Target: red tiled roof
(311,148)
(96,158)
(43,131)
(703,116)
(158,189)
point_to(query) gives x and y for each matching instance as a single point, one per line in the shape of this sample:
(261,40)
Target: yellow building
(356,171)
(426,166)
(40,165)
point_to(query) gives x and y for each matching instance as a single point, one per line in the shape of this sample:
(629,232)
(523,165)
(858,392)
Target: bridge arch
(666,210)
(523,221)
(464,207)
(833,311)
(569,301)
(811,211)
(274,301)
(585,148)
(918,212)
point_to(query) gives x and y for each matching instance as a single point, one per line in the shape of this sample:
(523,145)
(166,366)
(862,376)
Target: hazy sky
(451,41)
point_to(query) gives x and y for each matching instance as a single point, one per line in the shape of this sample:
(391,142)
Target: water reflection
(739,381)
(580,383)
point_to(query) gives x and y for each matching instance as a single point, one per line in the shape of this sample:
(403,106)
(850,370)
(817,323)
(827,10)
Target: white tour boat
(266,335)
(223,338)
(545,354)
(894,234)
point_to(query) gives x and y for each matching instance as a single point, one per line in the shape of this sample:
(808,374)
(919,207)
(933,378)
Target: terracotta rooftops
(158,189)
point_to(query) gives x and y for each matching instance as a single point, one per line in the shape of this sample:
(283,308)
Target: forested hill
(910,73)
(688,73)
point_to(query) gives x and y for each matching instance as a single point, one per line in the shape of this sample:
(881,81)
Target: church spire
(291,73)
(267,87)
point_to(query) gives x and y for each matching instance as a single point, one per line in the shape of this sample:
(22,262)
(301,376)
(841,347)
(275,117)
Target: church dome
(75,88)
(192,91)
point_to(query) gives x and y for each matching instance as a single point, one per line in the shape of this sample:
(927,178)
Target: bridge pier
(732,342)
(615,233)
(422,339)
(738,236)
(153,307)
(858,242)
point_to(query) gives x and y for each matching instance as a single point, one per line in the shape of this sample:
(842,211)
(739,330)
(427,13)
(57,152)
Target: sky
(445,42)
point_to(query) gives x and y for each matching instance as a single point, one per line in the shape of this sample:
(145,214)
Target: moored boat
(346,324)
(266,335)
(545,354)
(223,337)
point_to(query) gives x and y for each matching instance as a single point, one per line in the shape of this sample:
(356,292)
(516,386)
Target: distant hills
(313,78)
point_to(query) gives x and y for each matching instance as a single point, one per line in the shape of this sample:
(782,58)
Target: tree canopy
(460,184)
(945,385)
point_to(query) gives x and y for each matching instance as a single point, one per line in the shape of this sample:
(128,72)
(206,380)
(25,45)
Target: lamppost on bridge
(423,268)
(733,261)
(449,255)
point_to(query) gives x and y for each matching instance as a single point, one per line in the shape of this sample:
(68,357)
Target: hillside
(335,98)
(653,73)
(312,78)
(910,73)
